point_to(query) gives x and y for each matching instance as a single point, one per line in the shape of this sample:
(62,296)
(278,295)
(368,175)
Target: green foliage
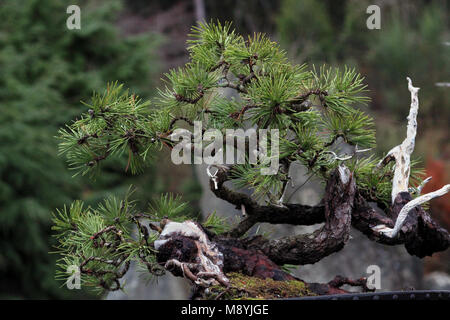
(170,207)
(247,175)
(410,42)
(113,125)
(100,243)
(272,95)
(344,88)
(327,32)
(188,83)
(46,70)
(220,111)
(355,128)
(316,112)
(289,268)
(308,28)
(217,224)
(376,183)
(208,42)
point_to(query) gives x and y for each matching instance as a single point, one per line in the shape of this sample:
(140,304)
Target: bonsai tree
(310,115)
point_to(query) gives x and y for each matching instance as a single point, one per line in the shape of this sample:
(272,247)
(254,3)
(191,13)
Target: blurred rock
(437,281)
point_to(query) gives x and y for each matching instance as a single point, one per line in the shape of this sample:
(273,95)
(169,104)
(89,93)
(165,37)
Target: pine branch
(316,112)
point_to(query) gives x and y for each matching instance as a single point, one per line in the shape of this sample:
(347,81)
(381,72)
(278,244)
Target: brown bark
(293,214)
(343,206)
(310,248)
(180,255)
(420,234)
(334,286)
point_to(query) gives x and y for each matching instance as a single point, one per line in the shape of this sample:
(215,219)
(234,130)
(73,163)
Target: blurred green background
(46,70)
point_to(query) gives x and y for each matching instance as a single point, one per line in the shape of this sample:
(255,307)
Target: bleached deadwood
(345,157)
(422,185)
(244,213)
(339,158)
(402,153)
(205,263)
(392,232)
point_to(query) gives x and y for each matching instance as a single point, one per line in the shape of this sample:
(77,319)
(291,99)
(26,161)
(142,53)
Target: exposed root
(339,281)
(186,251)
(334,286)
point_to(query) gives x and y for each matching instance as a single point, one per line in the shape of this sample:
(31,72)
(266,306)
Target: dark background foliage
(45,72)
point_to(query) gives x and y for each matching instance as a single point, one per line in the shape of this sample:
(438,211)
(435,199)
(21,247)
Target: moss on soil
(243,287)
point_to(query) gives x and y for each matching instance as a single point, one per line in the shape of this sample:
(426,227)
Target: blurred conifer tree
(45,70)
(410,42)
